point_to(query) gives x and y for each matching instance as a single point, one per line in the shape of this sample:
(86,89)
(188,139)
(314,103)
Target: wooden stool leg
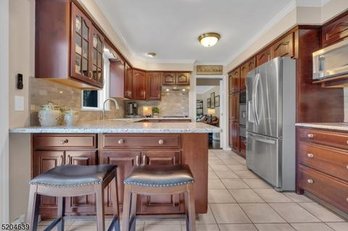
(115,204)
(100,208)
(33,208)
(133,212)
(126,207)
(61,211)
(191,208)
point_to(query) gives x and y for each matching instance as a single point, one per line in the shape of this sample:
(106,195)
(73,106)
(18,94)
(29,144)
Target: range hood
(176,88)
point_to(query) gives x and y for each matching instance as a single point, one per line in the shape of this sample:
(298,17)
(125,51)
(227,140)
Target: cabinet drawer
(325,159)
(325,187)
(334,139)
(141,141)
(60,140)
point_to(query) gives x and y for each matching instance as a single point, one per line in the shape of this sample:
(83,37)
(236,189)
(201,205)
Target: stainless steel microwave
(331,61)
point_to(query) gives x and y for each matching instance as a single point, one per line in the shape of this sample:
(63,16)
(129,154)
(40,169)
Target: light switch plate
(19,103)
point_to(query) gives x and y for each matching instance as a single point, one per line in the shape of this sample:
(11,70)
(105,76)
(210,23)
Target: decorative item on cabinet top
(209,69)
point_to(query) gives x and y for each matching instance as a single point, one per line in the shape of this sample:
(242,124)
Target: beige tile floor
(241,201)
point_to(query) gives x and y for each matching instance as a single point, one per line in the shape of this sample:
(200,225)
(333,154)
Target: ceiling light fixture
(209,39)
(151,54)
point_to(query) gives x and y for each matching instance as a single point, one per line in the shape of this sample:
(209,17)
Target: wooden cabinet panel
(128,82)
(125,160)
(47,141)
(139,85)
(97,62)
(117,79)
(154,84)
(234,81)
(234,107)
(330,138)
(42,162)
(164,204)
(141,141)
(82,204)
(328,160)
(182,79)
(244,70)
(335,30)
(327,188)
(263,57)
(283,47)
(169,78)
(235,137)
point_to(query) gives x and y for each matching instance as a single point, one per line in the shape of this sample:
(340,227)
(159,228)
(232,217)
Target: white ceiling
(171,27)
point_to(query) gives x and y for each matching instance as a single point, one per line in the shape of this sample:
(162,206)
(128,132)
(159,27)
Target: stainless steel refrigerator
(271,99)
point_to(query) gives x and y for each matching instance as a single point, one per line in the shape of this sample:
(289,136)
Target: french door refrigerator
(271,98)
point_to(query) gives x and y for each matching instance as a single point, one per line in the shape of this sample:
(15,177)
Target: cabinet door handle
(310,155)
(347,199)
(69,160)
(137,160)
(120,141)
(160,141)
(62,160)
(143,163)
(310,181)
(64,141)
(347,166)
(310,135)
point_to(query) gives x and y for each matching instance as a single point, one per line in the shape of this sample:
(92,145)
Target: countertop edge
(327,126)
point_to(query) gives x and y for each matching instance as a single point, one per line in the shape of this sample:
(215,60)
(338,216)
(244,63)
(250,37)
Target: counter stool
(149,180)
(70,181)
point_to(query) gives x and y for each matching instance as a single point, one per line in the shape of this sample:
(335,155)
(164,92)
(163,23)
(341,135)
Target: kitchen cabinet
(244,70)
(234,80)
(139,85)
(128,82)
(53,150)
(176,78)
(234,107)
(283,47)
(153,85)
(335,30)
(322,163)
(117,78)
(263,56)
(68,45)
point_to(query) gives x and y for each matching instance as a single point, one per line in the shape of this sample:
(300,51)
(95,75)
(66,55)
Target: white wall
(22,57)
(4,115)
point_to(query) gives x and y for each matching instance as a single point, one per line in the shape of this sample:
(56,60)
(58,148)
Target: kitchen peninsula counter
(125,126)
(126,143)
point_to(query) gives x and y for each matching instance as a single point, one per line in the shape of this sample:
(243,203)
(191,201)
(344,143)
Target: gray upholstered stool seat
(72,181)
(74,175)
(163,180)
(160,176)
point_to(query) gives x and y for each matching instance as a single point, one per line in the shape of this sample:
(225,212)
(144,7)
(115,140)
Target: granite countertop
(124,126)
(330,126)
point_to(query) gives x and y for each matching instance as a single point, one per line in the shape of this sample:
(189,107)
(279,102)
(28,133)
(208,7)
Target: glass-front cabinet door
(97,57)
(87,48)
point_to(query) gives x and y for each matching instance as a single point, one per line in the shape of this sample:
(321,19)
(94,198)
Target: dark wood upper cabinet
(153,85)
(176,78)
(234,107)
(117,78)
(139,85)
(335,30)
(68,47)
(169,78)
(234,80)
(182,79)
(263,56)
(283,47)
(128,82)
(244,70)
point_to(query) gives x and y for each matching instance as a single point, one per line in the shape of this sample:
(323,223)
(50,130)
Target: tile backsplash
(43,91)
(172,103)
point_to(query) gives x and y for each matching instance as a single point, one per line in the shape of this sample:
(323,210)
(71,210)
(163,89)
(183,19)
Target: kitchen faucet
(109,99)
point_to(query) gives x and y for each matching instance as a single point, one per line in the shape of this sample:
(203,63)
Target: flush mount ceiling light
(209,39)
(151,54)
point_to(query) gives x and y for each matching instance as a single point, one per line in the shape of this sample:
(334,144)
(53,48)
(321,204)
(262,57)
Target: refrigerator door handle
(257,80)
(263,140)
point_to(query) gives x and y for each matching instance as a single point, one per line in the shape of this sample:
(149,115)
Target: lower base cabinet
(126,151)
(322,165)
